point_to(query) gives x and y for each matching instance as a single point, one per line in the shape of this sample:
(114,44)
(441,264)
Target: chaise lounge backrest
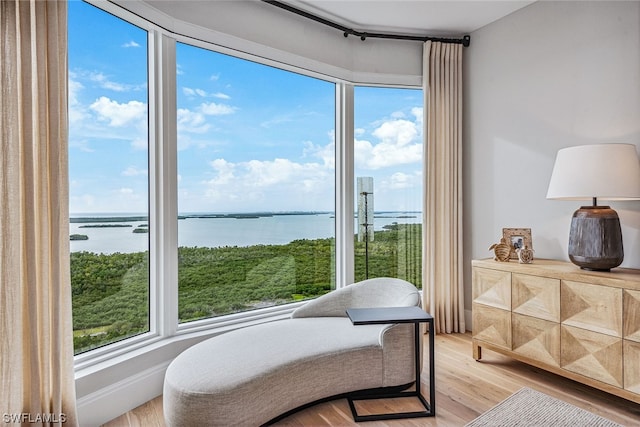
(378,292)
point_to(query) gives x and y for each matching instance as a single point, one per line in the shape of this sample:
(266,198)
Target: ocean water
(222,231)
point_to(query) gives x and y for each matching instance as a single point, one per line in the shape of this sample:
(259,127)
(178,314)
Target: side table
(384,315)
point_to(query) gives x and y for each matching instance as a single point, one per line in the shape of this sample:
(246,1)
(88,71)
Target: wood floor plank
(465,388)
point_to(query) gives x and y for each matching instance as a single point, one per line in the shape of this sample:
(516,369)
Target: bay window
(241,210)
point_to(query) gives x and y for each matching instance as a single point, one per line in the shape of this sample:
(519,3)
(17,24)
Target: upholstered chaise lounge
(252,375)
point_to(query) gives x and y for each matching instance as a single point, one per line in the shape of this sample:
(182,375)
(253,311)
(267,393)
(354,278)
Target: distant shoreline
(256,215)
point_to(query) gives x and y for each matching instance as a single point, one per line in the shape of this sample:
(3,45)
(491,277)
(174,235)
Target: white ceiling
(412,17)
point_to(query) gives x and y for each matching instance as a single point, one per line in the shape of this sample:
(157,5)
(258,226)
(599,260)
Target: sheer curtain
(36,343)
(442,272)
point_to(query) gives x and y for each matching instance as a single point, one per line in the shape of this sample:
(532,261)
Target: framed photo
(517,238)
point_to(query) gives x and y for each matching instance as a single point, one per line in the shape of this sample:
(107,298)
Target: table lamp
(592,172)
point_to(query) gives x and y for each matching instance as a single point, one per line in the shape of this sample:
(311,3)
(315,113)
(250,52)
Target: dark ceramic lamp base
(595,239)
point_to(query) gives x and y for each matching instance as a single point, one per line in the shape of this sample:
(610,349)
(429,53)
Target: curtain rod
(465,40)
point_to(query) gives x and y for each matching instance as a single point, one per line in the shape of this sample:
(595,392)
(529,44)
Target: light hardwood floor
(464,389)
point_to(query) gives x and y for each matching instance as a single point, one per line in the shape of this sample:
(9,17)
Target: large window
(256,184)
(388,188)
(108,164)
(255,161)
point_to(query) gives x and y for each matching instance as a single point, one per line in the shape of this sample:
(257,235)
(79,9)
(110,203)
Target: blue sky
(250,137)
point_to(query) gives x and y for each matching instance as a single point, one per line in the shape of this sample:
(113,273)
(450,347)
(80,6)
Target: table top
(382,315)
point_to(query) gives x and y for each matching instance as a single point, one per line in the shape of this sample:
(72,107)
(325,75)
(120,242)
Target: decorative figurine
(501,250)
(525,255)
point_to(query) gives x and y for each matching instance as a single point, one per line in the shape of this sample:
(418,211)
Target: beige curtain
(442,275)
(36,346)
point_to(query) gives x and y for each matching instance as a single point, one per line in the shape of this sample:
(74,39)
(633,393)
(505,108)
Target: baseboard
(99,407)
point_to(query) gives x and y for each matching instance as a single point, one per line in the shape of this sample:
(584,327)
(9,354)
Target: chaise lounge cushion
(250,376)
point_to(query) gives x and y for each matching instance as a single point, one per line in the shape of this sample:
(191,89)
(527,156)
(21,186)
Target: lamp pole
(366,233)
(365,218)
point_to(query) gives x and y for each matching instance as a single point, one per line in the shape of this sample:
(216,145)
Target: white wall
(549,76)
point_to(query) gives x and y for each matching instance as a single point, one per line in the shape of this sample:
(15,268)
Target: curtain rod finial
(466,40)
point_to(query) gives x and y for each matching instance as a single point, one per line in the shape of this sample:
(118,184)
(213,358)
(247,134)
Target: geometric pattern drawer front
(594,355)
(492,325)
(492,288)
(536,339)
(632,366)
(631,315)
(593,307)
(536,296)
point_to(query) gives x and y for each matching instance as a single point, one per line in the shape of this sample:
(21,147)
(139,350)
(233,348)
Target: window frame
(164,326)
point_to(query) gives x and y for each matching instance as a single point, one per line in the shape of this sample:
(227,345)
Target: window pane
(255,185)
(388,187)
(108,163)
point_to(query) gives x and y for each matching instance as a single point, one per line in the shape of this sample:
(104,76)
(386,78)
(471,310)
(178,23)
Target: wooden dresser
(580,324)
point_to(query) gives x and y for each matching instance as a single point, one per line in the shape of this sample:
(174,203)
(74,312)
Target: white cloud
(267,173)
(327,153)
(397,132)
(213,109)
(194,92)
(133,171)
(224,171)
(204,94)
(77,112)
(279,182)
(399,143)
(131,44)
(400,181)
(190,121)
(82,145)
(105,83)
(118,114)
(285,118)
(140,144)
(417,112)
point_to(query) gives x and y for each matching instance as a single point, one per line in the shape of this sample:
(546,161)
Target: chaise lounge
(254,375)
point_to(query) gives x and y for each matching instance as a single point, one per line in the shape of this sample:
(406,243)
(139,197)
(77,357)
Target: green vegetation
(107,219)
(78,237)
(395,252)
(105,226)
(111,292)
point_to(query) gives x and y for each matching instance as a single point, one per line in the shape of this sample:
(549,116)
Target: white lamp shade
(604,171)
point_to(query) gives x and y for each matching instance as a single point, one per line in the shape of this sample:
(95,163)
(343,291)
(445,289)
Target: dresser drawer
(594,355)
(536,339)
(536,296)
(631,326)
(492,325)
(492,288)
(631,366)
(592,307)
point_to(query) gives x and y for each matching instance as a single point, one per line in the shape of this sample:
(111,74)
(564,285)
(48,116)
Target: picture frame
(517,238)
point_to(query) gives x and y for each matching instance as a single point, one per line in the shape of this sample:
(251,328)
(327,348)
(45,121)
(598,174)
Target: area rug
(530,408)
